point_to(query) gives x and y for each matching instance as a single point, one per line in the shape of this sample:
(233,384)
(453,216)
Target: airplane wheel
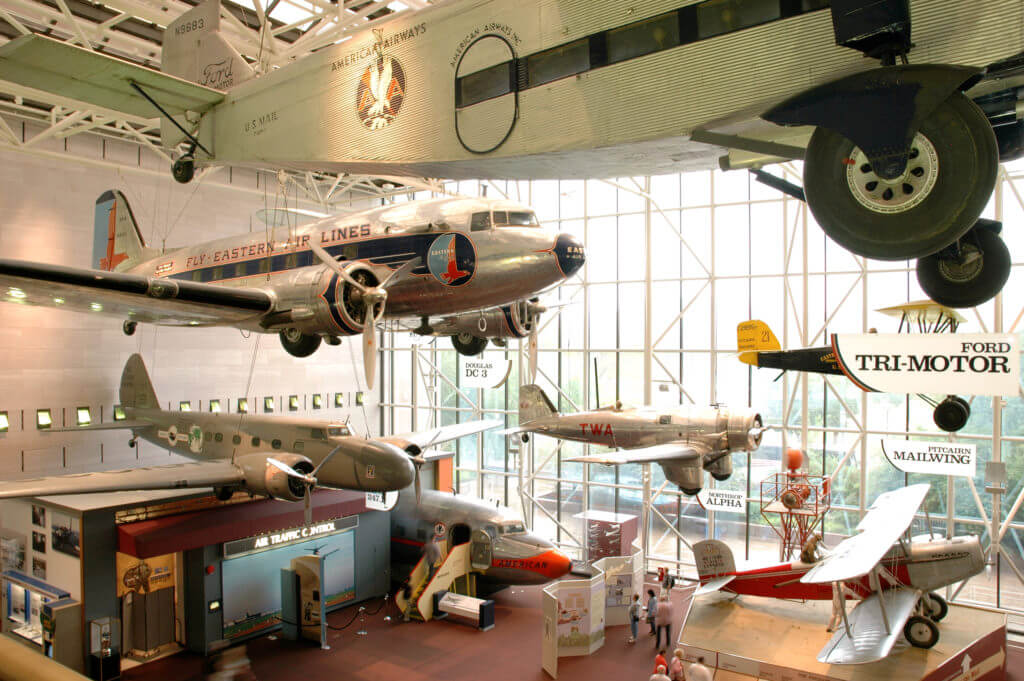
(184,169)
(935,606)
(973,277)
(921,632)
(692,491)
(951,414)
(223,493)
(468,344)
(721,477)
(299,344)
(129,328)
(947,182)
(525,438)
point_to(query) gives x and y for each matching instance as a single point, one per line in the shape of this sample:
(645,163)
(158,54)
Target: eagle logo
(381,88)
(452,259)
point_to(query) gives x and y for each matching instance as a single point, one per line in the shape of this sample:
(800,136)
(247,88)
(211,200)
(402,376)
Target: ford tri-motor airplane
(895,579)
(275,456)
(684,442)
(474,262)
(900,110)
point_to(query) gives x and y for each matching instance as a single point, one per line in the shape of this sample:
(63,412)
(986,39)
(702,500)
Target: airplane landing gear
(969,272)
(223,493)
(129,327)
(934,606)
(952,413)
(184,169)
(468,344)
(133,441)
(299,344)
(921,632)
(947,180)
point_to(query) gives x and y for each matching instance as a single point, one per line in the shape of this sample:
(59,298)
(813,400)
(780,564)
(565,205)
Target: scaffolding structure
(794,504)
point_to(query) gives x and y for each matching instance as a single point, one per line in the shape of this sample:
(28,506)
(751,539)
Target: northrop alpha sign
(944,363)
(725,500)
(939,458)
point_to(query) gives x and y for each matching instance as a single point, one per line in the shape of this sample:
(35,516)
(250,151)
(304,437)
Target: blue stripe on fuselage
(391,251)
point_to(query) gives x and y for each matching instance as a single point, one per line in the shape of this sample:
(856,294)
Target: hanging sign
(725,500)
(939,458)
(381,501)
(944,363)
(480,372)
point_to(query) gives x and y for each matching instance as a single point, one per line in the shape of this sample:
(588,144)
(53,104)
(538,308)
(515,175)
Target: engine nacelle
(743,430)
(689,475)
(264,478)
(508,321)
(317,301)
(720,469)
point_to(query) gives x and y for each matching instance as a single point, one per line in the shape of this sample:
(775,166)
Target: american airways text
(977,358)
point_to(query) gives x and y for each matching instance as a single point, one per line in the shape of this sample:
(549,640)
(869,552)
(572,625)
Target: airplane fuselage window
(255,442)
(681,26)
(337,431)
(276,444)
(480,222)
(236,439)
(317,433)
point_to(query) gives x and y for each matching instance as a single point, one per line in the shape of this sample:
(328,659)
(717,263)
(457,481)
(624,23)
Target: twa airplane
(684,442)
(501,549)
(894,579)
(470,262)
(900,136)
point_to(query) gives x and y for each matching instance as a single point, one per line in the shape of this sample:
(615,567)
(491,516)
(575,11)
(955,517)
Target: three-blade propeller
(309,480)
(374,299)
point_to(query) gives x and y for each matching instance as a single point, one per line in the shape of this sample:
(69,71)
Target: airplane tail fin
(534,404)
(195,50)
(117,243)
(754,336)
(136,388)
(713,559)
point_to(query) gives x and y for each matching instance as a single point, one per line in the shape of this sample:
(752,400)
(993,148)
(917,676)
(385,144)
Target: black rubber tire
(948,284)
(129,327)
(223,493)
(721,477)
(951,414)
(183,170)
(692,491)
(921,632)
(936,607)
(474,346)
(968,164)
(301,345)
(525,437)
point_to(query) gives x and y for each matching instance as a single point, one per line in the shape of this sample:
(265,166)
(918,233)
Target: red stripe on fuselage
(783,581)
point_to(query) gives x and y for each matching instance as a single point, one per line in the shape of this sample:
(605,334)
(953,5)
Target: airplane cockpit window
(337,431)
(514,527)
(491,530)
(480,222)
(665,419)
(317,433)
(515,218)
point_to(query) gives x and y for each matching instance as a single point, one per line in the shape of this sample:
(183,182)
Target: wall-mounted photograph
(39,516)
(39,542)
(64,534)
(12,550)
(38,568)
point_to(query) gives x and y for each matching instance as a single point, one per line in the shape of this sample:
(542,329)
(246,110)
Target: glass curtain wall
(674,263)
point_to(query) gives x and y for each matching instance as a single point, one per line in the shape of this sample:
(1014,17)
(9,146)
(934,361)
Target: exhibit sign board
(983,660)
(273,540)
(944,363)
(728,501)
(937,458)
(381,501)
(144,575)
(484,372)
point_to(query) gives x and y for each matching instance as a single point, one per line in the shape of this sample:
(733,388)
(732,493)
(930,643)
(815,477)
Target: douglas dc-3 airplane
(684,442)
(279,457)
(895,579)
(501,549)
(900,135)
(473,261)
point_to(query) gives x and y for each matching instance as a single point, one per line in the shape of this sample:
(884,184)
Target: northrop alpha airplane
(501,549)
(894,579)
(474,262)
(279,457)
(900,135)
(684,442)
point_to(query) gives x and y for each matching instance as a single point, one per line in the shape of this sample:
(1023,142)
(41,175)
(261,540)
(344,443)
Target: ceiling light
(119,413)
(15,292)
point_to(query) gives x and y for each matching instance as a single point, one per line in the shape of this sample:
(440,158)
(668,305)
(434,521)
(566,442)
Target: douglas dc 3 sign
(966,364)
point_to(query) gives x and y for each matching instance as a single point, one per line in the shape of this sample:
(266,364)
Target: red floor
(447,651)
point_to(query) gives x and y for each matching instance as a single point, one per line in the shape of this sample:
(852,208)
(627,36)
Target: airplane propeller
(533,311)
(373,296)
(309,480)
